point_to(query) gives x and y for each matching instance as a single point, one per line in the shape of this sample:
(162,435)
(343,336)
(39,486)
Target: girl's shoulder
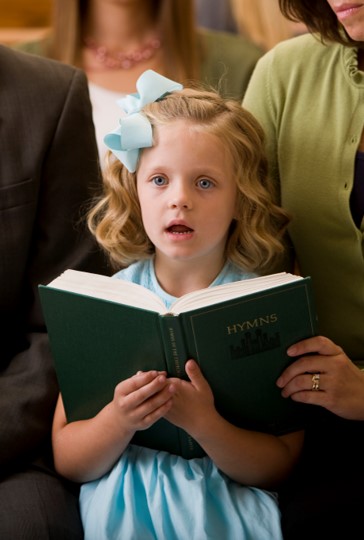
(137,272)
(231,273)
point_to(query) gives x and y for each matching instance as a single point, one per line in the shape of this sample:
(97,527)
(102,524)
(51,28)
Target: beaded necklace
(120,59)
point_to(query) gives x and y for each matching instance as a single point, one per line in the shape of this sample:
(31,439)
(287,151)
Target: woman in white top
(115,41)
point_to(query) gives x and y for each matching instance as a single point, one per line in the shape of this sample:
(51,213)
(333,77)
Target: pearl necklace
(121,60)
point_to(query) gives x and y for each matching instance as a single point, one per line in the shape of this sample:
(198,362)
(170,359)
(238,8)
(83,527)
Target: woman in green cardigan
(308,94)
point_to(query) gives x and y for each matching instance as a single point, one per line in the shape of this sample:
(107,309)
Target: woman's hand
(339,385)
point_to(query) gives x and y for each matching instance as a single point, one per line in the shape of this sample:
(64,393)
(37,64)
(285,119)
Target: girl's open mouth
(179,229)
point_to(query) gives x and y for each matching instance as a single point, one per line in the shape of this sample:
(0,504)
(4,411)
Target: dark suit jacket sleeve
(47,133)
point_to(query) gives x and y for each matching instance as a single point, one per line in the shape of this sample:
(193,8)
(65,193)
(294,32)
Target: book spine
(188,447)
(176,355)
(175,350)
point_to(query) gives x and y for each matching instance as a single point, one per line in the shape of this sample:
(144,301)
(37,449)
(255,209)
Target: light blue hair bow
(134,130)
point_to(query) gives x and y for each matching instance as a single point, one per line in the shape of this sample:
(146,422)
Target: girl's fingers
(141,387)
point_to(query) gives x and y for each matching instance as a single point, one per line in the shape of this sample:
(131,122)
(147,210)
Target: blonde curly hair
(255,238)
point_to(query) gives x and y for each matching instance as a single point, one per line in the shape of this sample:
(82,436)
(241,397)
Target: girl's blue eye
(159,181)
(204,183)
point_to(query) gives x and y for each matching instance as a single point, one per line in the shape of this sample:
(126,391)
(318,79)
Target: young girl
(187,204)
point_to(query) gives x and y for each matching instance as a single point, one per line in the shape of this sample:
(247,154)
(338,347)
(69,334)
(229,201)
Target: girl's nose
(181,198)
(179,204)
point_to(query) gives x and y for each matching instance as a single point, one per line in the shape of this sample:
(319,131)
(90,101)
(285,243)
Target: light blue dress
(153,495)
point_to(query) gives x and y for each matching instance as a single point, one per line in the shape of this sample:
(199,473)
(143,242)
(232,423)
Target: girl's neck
(178,278)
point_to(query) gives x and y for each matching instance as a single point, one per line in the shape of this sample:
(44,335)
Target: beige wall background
(23,19)
(24,13)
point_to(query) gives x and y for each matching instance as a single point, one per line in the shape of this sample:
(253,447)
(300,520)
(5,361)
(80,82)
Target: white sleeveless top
(106,113)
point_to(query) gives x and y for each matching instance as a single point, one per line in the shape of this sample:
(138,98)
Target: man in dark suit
(48,172)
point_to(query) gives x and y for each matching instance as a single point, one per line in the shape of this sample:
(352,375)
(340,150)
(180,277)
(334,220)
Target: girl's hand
(193,400)
(142,399)
(247,457)
(340,383)
(87,449)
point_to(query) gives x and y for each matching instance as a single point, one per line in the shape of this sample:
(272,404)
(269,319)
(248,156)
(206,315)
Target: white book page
(235,289)
(106,288)
(132,294)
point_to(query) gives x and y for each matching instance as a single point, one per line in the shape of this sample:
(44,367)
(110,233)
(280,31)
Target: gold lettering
(232,329)
(253,323)
(175,355)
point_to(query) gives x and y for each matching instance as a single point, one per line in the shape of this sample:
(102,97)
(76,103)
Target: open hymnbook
(125,292)
(103,330)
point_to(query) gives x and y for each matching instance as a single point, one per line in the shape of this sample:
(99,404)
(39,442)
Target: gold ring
(315,382)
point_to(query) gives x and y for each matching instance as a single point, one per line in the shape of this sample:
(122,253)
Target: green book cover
(238,333)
